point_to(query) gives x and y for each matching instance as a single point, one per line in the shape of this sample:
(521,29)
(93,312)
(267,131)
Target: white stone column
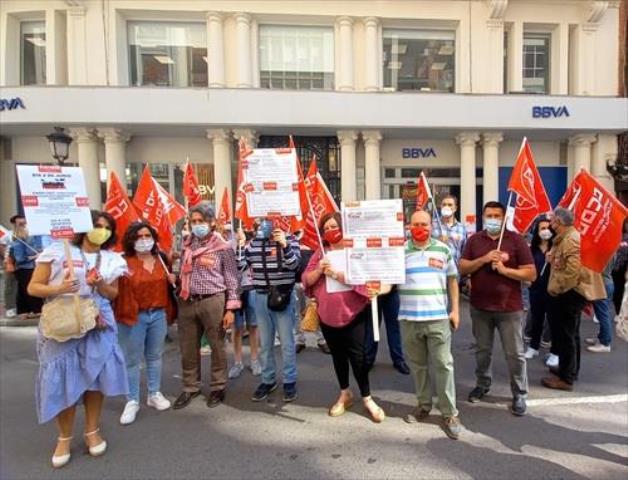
(490,143)
(220,139)
(77,46)
(243,50)
(495,30)
(560,60)
(467,141)
(344,82)
(372,45)
(515,57)
(115,152)
(215,51)
(603,150)
(87,149)
(582,152)
(372,168)
(348,173)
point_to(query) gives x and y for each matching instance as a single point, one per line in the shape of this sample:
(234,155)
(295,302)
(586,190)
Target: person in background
(81,370)
(273,258)
(427,317)
(9,289)
(605,313)
(300,300)
(449,230)
(141,312)
(343,318)
(245,320)
(570,286)
(496,276)
(24,254)
(209,297)
(539,298)
(619,270)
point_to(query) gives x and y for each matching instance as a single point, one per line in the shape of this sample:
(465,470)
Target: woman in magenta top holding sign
(92,366)
(343,311)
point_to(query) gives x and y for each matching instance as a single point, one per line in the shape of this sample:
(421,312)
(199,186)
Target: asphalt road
(577,435)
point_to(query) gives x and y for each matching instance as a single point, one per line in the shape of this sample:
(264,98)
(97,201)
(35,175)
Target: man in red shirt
(496,303)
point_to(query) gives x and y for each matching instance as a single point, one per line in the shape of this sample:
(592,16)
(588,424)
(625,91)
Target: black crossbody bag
(278,295)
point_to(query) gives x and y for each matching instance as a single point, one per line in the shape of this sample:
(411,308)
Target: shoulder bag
(278,295)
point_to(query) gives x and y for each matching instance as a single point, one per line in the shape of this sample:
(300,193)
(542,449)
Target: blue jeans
(144,339)
(604,312)
(269,322)
(389,309)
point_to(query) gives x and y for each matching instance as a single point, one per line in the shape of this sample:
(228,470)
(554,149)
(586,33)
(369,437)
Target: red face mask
(333,236)
(420,234)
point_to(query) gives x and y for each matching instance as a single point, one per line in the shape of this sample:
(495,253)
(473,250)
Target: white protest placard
(55,200)
(338,261)
(272,182)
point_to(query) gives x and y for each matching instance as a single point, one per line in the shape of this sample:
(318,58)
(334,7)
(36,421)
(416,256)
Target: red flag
(190,186)
(526,182)
(120,207)
(173,209)
(599,217)
(224,213)
(241,211)
(4,232)
(422,193)
(322,204)
(147,201)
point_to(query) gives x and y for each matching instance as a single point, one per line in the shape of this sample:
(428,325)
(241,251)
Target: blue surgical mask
(492,225)
(265,230)
(200,230)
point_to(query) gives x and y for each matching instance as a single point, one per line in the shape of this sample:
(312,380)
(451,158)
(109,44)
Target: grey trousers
(9,290)
(508,324)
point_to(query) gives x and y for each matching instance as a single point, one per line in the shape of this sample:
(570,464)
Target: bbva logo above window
(11,104)
(549,112)
(418,152)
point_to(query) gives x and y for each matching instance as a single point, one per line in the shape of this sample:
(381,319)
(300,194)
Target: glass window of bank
(168,54)
(296,57)
(33,53)
(536,58)
(422,60)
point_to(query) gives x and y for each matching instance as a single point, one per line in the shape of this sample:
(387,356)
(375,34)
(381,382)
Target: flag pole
(15,237)
(431,197)
(501,234)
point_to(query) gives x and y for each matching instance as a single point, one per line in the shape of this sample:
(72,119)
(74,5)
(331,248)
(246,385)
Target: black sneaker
(263,391)
(289,392)
(518,407)
(402,368)
(452,427)
(477,394)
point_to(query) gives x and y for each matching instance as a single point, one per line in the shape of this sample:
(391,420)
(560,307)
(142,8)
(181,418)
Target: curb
(16,322)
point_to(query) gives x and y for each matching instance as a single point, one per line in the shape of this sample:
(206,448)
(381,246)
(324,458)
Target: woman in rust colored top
(141,311)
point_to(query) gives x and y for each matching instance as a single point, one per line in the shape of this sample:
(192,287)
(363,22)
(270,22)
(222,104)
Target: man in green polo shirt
(425,322)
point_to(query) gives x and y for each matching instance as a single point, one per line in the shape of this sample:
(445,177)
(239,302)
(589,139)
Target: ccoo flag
(120,207)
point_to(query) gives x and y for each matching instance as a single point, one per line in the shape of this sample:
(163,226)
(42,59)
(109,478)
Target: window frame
(21,59)
(547,78)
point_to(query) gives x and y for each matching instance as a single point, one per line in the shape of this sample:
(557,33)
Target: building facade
(375,90)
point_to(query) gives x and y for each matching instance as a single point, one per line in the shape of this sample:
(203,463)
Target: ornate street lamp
(59,145)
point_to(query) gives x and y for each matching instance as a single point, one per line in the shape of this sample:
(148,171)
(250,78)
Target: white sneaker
(11,313)
(158,401)
(130,412)
(531,353)
(599,348)
(256,368)
(552,360)
(236,370)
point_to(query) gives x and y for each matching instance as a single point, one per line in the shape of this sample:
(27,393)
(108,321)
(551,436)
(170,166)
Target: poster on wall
(272,182)
(54,199)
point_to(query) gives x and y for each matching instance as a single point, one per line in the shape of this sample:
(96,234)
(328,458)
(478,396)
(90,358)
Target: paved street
(576,435)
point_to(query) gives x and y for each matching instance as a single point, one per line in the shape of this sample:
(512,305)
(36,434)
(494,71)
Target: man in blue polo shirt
(425,322)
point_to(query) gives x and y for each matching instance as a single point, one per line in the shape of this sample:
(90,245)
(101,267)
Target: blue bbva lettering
(418,152)
(11,104)
(549,112)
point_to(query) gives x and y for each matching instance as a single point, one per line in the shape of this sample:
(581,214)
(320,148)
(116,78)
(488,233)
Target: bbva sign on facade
(11,104)
(549,112)
(417,152)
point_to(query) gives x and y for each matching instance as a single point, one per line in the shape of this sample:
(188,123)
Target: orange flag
(422,193)
(599,217)
(241,211)
(224,213)
(190,186)
(322,204)
(526,182)
(119,205)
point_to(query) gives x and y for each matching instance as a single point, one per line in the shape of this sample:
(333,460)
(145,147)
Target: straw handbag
(309,320)
(67,317)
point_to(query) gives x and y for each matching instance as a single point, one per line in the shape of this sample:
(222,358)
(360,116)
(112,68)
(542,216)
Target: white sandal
(59,461)
(99,449)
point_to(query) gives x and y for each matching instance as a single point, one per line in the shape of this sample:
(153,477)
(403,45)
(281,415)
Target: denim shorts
(246,314)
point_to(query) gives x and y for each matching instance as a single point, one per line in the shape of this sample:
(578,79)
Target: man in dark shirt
(496,276)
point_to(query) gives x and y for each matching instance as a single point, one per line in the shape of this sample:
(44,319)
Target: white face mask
(144,245)
(545,234)
(446,212)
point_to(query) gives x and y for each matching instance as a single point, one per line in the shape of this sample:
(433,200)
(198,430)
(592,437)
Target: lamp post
(59,145)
